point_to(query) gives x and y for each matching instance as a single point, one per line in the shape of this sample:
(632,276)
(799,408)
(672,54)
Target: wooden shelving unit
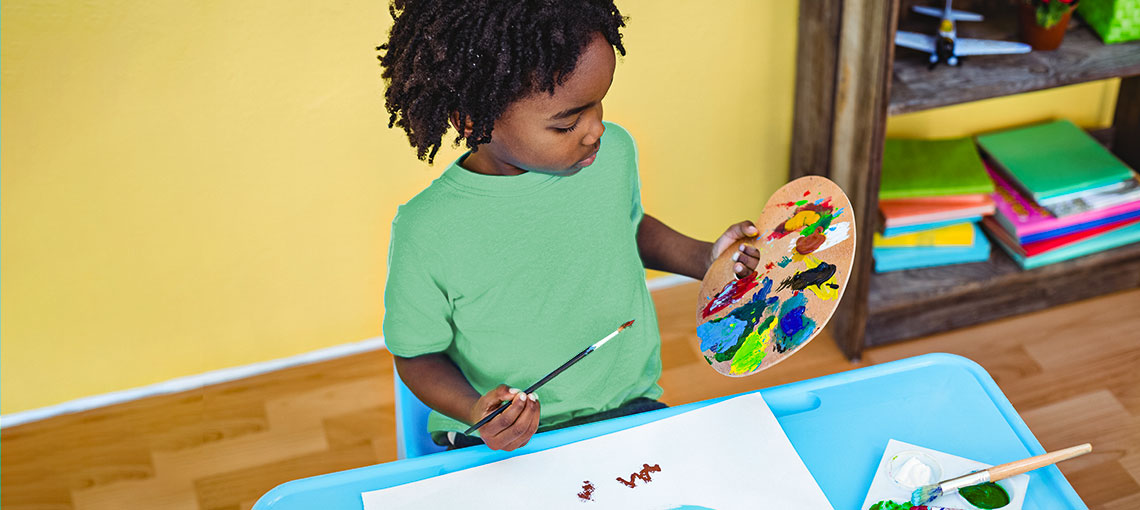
(850,80)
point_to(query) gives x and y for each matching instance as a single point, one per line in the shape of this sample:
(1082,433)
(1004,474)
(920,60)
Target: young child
(532,245)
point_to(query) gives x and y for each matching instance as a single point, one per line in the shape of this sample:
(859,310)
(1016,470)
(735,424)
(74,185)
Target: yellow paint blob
(824,291)
(801,220)
(755,347)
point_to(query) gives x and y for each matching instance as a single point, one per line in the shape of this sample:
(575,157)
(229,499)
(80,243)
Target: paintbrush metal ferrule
(967,480)
(928,493)
(601,342)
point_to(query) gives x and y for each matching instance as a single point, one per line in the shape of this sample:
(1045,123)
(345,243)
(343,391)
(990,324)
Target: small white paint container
(912,469)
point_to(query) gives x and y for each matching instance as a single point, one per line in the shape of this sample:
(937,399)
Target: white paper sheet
(729,455)
(882,487)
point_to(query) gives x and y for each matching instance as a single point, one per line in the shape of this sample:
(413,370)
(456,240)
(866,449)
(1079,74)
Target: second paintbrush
(544,380)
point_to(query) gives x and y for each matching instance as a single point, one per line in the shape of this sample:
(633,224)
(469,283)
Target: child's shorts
(455,440)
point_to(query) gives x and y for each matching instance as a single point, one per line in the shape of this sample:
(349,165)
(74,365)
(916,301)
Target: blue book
(1079,227)
(895,259)
(922,227)
(1106,241)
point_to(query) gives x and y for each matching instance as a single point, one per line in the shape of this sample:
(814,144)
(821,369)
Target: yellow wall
(188,186)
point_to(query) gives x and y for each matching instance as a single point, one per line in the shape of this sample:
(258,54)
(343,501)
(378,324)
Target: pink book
(1029,222)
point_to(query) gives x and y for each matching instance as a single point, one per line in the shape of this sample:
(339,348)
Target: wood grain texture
(870,82)
(909,304)
(1070,372)
(1127,123)
(783,260)
(1082,57)
(859,129)
(817,58)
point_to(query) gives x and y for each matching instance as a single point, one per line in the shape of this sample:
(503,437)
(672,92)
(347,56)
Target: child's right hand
(513,427)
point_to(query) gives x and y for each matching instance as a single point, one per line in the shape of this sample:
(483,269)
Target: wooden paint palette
(807,245)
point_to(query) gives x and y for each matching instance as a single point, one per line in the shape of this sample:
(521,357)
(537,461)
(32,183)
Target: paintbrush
(928,493)
(544,380)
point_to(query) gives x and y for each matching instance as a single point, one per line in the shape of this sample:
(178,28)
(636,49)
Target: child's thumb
(504,392)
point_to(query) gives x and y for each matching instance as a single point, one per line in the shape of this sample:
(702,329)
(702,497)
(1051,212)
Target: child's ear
(467,126)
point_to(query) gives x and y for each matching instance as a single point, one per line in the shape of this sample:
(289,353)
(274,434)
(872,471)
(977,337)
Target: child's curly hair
(475,57)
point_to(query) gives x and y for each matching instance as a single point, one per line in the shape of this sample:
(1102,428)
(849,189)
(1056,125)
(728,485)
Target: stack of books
(932,195)
(1059,194)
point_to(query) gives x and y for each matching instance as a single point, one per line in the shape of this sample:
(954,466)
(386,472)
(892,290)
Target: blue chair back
(412,438)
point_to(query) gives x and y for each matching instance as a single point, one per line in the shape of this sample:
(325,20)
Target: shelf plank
(1082,57)
(919,302)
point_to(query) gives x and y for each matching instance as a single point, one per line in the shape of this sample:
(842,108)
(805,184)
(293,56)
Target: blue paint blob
(721,334)
(784,261)
(792,321)
(794,327)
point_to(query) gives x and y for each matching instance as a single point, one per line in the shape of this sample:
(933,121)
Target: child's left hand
(747,257)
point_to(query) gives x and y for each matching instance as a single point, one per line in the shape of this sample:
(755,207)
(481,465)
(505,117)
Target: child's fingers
(746,258)
(525,426)
(514,434)
(751,251)
(508,417)
(491,401)
(742,230)
(734,233)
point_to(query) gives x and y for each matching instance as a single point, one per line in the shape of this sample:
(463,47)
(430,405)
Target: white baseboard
(667,281)
(197,381)
(191,382)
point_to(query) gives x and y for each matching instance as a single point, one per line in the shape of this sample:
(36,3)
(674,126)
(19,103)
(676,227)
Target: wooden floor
(1072,372)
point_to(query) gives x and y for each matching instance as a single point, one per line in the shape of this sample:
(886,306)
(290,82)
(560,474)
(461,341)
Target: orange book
(915,211)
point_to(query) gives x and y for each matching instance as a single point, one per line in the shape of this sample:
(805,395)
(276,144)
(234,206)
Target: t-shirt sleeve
(636,213)
(417,312)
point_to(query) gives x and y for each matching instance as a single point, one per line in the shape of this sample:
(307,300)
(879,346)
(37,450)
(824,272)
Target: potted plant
(1043,22)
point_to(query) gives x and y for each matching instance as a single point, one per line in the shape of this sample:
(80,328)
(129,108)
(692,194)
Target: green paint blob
(985,495)
(822,224)
(802,202)
(754,348)
(887,504)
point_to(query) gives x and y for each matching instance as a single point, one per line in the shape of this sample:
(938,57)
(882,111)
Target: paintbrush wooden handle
(1004,471)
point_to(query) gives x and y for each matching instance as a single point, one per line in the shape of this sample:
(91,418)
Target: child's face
(552,134)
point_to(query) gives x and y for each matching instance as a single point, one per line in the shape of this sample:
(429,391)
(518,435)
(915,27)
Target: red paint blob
(731,292)
(807,193)
(587,493)
(769,266)
(643,475)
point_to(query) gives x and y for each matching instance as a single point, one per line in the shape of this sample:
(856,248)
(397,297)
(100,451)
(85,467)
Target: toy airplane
(947,47)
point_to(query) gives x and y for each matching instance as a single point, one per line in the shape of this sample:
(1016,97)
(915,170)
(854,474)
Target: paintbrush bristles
(925,494)
(611,335)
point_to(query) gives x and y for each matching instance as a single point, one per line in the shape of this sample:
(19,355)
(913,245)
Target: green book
(927,168)
(1054,159)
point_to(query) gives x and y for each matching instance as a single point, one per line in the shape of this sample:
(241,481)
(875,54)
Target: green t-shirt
(511,276)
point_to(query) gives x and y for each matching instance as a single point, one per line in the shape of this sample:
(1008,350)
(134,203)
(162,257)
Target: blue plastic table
(839,424)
